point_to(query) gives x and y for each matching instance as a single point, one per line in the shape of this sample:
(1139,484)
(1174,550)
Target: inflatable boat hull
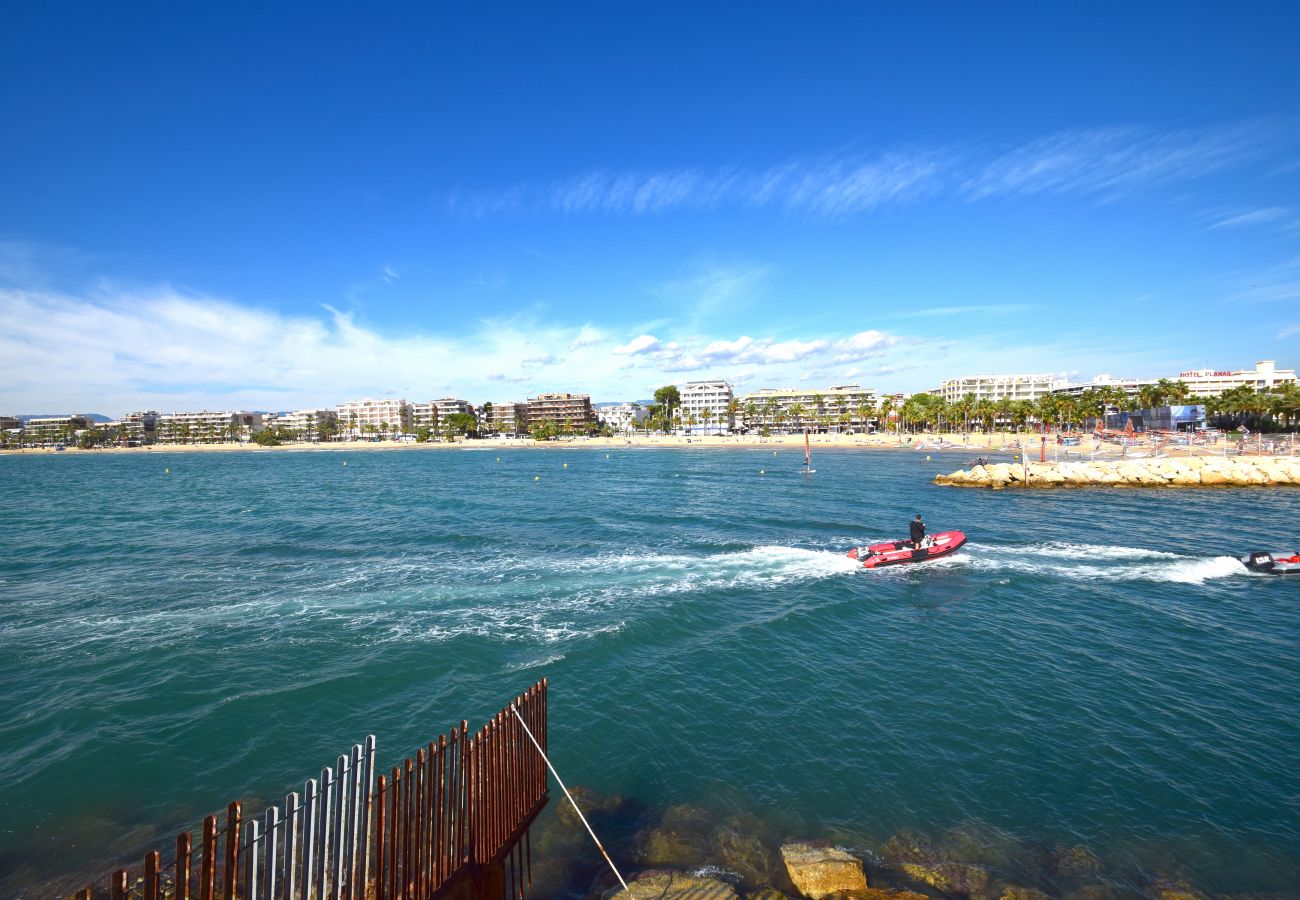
(893,553)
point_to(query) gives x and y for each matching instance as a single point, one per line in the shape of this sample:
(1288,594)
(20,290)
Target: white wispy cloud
(1252,217)
(994,309)
(1107,162)
(1113,160)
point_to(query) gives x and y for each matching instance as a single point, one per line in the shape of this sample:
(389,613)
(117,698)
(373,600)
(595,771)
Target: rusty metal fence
(461,806)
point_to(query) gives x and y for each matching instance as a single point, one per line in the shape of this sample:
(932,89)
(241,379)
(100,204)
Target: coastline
(948,442)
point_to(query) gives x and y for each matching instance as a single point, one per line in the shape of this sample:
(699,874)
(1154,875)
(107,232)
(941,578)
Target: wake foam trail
(759,565)
(1097,562)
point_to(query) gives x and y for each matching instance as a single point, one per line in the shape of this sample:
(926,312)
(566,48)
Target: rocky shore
(1184,471)
(687,852)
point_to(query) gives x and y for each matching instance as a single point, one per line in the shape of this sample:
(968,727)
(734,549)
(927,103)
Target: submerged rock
(949,877)
(1076,862)
(820,870)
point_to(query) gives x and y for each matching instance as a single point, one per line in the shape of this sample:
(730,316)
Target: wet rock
(669,885)
(662,846)
(820,870)
(1093,892)
(1076,862)
(740,851)
(949,877)
(591,803)
(766,893)
(908,846)
(1016,892)
(680,840)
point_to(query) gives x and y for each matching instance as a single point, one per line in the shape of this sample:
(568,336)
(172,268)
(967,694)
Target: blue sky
(232,205)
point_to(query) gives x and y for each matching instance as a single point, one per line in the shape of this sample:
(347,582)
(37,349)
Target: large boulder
(819,870)
(668,885)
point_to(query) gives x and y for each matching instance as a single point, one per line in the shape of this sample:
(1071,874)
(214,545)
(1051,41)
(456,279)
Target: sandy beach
(978,444)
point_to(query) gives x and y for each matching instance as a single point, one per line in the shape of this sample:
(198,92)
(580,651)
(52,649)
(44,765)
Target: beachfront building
(133,430)
(573,411)
(622,418)
(996,387)
(1130,386)
(207,427)
(839,407)
(1209,382)
(424,415)
(365,417)
(10,423)
(505,418)
(309,423)
(452,406)
(706,407)
(49,430)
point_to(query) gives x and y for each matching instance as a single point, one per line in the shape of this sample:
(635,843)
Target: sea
(1094,669)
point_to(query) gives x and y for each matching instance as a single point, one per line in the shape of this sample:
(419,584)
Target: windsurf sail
(807,450)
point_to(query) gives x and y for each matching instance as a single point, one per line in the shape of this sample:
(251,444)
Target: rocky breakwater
(1180,471)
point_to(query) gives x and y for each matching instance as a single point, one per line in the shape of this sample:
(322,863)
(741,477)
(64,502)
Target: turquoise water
(1094,668)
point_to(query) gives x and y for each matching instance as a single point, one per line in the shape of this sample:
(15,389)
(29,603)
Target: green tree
(670,399)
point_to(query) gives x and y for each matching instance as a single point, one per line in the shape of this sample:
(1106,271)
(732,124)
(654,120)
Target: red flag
(1128,428)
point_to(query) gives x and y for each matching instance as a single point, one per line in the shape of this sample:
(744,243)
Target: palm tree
(798,413)
(886,411)
(863,413)
(707,415)
(751,414)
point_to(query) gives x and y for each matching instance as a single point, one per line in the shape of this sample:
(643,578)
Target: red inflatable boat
(896,552)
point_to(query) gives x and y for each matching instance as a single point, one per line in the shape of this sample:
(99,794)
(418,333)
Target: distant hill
(94,417)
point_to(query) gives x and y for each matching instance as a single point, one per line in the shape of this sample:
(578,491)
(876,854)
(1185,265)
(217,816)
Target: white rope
(599,846)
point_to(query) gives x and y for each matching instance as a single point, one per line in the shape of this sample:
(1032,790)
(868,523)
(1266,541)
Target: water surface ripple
(1096,668)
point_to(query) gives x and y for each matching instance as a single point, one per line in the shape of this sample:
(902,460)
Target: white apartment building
(1130,386)
(995,387)
(49,429)
(622,418)
(507,418)
(356,416)
(307,422)
(708,405)
(795,409)
(451,406)
(424,413)
(1265,376)
(208,427)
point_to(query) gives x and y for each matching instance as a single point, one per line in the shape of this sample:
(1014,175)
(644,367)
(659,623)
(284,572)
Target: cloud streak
(1105,162)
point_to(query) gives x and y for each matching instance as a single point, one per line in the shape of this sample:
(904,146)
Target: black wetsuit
(918,532)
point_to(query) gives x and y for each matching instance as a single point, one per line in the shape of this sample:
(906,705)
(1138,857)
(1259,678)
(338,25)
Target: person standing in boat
(917,528)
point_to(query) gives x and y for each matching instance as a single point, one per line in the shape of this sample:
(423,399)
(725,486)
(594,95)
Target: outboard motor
(1260,561)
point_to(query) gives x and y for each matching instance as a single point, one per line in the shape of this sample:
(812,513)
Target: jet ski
(1279,562)
(893,553)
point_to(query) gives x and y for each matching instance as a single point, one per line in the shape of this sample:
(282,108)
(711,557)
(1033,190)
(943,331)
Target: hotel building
(505,418)
(49,429)
(573,410)
(707,405)
(995,387)
(451,406)
(622,418)
(355,416)
(208,427)
(797,408)
(424,414)
(1265,376)
(1130,386)
(307,422)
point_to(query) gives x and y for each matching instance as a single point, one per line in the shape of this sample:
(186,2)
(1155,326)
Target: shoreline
(948,442)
